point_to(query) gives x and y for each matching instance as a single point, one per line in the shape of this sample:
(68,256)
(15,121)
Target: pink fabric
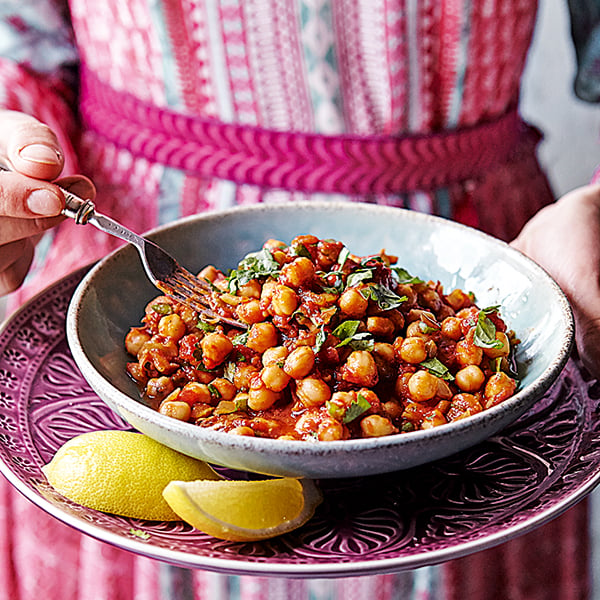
(376,67)
(352,165)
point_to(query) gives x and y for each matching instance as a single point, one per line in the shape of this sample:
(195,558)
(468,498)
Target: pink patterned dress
(286,75)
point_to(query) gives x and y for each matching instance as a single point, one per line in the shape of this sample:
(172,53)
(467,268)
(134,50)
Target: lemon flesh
(244,511)
(121,472)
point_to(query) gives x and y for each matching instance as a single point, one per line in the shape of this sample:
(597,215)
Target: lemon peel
(244,511)
(121,472)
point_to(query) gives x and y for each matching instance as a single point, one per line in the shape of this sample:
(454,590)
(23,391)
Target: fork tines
(195,293)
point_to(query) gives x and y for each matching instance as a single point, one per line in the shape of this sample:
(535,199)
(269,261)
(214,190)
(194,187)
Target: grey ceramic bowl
(112,297)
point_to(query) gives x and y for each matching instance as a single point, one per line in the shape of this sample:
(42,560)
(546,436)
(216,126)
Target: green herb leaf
(437,368)
(320,340)
(383,296)
(347,333)
(162,308)
(255,265)
(229,371)
(359,276)
(335,410)
(301,250)
(241,339)
(404,277)
(214,391)
(485,333)
(357,408)
(204,326)
(241,402)
(343,256)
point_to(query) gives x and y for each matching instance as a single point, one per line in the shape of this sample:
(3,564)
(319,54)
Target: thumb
(30,146)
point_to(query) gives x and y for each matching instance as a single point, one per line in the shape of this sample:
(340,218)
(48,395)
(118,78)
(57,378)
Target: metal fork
(161,268)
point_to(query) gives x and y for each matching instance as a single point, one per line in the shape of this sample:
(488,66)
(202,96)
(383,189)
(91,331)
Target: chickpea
(135,339)
(215,349)
(251,289)
(284,301)
(299,272)
(380,326)
(194,392)
(463,405)
(275,378)
(392,408)
(171,326)
(467,353)
(243,375)
(275,355)
(384,351)
(159,388)
(175,409)
(433,419)
(225,390)
(451,328)
(422,386)
(360,368)
(330,430)
(414,329)
(498,388)
(312,391)
(470,378)
(376,426)
(260,397)
(267,293)
(413,350)
(300,362)
(242,430)
(262,336)
(308,422)
(209,273)
(499,352)
(250,312)
(353,303)
(401,387)
(457,299)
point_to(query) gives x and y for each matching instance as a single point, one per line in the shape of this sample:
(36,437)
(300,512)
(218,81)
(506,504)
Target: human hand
(564,238)
(29,203)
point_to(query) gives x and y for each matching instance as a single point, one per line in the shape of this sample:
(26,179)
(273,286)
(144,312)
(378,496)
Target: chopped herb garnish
(404,277)
(240,339)
(437,368)
(383,296)
(301,250)
(162,308)
(356,409)
(214,390)
(229,371)
(343,256)
(255,265)
(320,340)
(485,332)
(359,276)
(427,328)
(335,410)
(347,333)
(241,402)
(205,326)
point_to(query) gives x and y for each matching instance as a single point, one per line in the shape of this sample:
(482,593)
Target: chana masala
(336,347)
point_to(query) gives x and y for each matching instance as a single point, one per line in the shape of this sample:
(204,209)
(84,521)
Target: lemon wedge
(244,511)
(121,472)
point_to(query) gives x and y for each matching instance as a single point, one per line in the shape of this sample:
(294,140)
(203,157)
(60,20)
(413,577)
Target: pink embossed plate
(508,485)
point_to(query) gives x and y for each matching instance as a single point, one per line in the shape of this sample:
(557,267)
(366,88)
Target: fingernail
(40,153)
(44,202)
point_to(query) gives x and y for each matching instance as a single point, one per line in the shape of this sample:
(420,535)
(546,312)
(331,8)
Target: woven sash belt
(308,162)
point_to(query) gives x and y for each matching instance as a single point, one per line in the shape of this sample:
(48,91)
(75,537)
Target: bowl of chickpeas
(343,339)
